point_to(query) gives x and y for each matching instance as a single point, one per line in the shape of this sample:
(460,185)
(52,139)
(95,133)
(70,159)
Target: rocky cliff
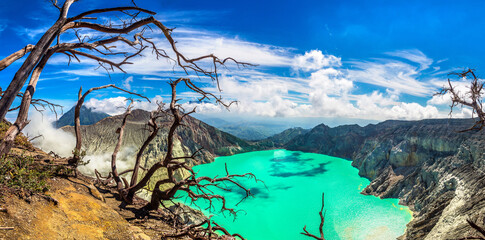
(430,165)
(100,138)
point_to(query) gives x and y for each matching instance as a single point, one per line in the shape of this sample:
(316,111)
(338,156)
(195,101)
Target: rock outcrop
(100,138)
(430,165)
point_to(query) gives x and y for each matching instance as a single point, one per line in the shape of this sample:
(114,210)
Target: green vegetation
(20,140)
(23,173)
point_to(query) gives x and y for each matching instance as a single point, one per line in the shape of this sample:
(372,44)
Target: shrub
(23,173)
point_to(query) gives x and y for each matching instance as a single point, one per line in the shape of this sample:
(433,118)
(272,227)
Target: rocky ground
(76,208)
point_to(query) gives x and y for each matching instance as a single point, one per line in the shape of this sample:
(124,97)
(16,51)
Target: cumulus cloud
(329,90)
(315,60)
(330,81)
(117,105)
(324,85)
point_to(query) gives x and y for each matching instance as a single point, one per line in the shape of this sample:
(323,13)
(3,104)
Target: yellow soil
(78,215)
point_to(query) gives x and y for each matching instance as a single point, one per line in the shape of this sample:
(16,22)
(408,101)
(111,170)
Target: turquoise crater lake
(291,198)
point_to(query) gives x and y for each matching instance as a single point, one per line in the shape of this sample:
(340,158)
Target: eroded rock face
(100,138)
(430,165)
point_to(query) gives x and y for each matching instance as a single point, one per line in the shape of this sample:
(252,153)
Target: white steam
(62,143)
(102,162)
(50,138)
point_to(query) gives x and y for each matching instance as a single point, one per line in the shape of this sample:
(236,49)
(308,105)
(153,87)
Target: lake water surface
(292,198)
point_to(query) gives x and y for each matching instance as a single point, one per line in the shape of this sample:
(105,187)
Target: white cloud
(329,91)
(244,51)
(152,78)
(330,81)
(2,26)
(192,43)
(414,55)
(31,33)
(84,72)
(461,87)
(391,74)
(315,60)
(127,81)
(117,105)
(324,86)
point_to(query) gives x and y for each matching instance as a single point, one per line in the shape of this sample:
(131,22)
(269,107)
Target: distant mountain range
(247,130)
(87,117)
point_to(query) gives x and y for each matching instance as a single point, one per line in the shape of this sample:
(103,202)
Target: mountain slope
(281,139)
(100,138)
(86,116)
(432,167)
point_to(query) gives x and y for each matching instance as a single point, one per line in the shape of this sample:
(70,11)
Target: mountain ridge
(101,137)
(86,115)
(429,165)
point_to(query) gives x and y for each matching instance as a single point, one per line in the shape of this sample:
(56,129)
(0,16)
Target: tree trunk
(8,140)
(77,128)
(32,60)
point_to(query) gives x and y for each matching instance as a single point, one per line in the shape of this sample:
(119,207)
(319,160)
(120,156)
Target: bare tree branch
(322,221)
(472,98)
(105,10)
(77,112)
(4,63)
(120,132)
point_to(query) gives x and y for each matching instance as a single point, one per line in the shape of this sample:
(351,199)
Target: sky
(334,61)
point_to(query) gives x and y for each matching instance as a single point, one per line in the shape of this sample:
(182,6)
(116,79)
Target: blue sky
(347,60)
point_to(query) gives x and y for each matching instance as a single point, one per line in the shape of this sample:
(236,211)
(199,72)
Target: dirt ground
(76,209)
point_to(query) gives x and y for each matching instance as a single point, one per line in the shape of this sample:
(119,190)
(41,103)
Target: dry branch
(203,231)
(77,112)
(472,98)
(4,63)
(322,221)
(120,132)
(101,51)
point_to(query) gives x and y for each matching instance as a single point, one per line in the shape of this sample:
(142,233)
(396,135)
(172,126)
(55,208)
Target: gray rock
(429,165)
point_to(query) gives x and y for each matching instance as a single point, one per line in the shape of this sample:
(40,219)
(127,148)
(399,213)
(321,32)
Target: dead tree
(7,141)
(166,189)
(101,50)
(322,221)
(171,164)
(77,112)
(205,230)
(472,98)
